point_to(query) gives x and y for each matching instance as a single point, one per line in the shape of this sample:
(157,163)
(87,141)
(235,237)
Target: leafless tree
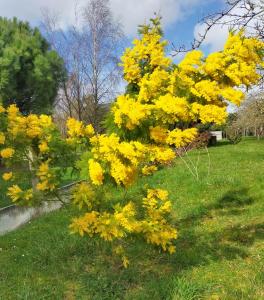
(250,116)
(237,14)
(90,49)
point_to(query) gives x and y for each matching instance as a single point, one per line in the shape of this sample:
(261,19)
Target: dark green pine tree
(30,72)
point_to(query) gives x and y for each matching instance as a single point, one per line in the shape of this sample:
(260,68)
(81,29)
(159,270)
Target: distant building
(217,134)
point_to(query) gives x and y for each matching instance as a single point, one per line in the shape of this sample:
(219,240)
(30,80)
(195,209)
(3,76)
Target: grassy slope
(220,249)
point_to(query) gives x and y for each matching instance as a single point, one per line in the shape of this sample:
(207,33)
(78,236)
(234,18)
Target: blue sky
(180,17)
(182,32)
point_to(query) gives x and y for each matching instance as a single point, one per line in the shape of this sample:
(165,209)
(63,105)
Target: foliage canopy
(30,72)
(160,111)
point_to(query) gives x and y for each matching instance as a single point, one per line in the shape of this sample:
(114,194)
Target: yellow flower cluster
(31,126)
(7,152)
(83,195)
(43,147)
(2,138)
(77,130)
(108,226)
(195,90)
(180,138)
(120,158)
(161,154)
(96,172)
(147,52)
(153,84)
(209,113)
(129,112)
(158,134)
(176,137)
(7,176)
(123,220)
(17,194)
(155,227)
(191,62)
(46,177)
(148,170)
(170,109)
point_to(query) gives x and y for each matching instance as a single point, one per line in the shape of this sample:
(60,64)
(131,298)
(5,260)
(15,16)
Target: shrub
(160,109)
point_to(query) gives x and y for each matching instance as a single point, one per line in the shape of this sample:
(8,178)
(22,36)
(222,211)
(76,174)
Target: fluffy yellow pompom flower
(158,134)
(45,121)
(206,89)
(148,170)
(75,128)
(232,95)
(181,138)
(7,176)
(162,155)
(2,109)
(191,61)
(43,147)
(16,193)
(33,126)
(209,113)
(46,177)
(83,195)
(129,112)
(43,185)
(2,138)
(12,111)
(96,172)
(171,109)
(89,130)
(7,152)
(122,173)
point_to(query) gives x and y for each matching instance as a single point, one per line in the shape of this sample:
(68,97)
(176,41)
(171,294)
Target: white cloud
(134,12)
(129,12)
(217,35)
(215,38)
(30,10)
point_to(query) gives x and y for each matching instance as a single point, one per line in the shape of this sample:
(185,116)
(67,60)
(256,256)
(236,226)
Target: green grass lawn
(220,249)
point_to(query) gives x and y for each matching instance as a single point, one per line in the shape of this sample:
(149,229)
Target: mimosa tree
(162,105)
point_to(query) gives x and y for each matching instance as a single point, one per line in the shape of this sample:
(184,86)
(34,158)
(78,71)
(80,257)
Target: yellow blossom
(2,138)
(181,138)
(158,134)
(7,152)
(89,130)
(75,128)
(147,170)
(96,172)
(43,147)
(7,176)
(17,194)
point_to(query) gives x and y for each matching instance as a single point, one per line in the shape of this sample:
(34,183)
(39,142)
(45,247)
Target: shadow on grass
(221,143)
(151,275)
(233,202)
(198,246)
(90,265)
(235,198)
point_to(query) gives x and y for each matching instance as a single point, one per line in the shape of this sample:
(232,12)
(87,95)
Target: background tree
(90,49)
(30,73)
(250,116)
